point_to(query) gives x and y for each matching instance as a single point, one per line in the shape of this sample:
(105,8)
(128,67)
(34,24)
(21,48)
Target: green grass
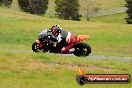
(115,18)
(51,71)
(21,68)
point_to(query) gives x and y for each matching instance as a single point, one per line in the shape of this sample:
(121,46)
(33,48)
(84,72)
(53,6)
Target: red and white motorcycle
(46,42)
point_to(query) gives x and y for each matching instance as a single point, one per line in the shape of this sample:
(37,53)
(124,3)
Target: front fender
(38,42)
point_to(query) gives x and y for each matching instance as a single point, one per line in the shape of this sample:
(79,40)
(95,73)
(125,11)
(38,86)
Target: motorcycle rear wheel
(82,49)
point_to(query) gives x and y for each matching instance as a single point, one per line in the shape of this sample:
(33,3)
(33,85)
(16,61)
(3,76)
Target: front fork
(40,44)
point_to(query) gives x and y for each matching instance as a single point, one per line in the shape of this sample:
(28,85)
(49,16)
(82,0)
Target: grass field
(21,68)
(115,18)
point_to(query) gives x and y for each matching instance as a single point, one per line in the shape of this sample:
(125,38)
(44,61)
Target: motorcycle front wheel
(35,47)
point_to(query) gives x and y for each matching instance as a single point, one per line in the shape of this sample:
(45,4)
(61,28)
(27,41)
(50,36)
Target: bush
(129,11)
(33,6)
(67,9)
(6,3)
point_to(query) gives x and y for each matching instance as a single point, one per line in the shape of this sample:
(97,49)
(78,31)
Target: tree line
(5,3)
(129,11)
(64,9)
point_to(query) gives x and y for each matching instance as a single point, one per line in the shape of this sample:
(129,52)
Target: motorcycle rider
(65,40)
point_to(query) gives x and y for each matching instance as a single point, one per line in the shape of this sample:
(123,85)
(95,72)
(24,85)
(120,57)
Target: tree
(129,11)
(67,9)
(6,3)
(89,8)
(33,6)
(1,2)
